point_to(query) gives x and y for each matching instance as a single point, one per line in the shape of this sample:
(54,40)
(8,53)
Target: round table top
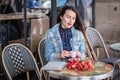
(115,46)
(101,71)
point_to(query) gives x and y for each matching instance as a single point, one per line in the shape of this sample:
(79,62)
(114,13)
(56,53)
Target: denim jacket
(53,43)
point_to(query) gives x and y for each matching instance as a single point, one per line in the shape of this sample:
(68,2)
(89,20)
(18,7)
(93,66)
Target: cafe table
(101,71)
(115,46)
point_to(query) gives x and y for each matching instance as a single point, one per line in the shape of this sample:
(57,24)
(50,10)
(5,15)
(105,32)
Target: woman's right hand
(65,54)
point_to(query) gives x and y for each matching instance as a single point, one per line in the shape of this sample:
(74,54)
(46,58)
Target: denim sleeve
(49,48)
(82,48)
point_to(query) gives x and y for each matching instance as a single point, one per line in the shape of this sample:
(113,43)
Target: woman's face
(68,19)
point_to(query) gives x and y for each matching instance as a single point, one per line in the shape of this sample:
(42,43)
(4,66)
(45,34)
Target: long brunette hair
(78,23)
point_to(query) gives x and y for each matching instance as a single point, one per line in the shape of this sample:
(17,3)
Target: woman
(66,36)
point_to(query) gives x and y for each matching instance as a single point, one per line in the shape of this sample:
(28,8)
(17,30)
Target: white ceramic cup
(73,54)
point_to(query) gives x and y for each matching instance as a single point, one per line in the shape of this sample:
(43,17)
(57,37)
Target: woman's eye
(68,17)
(73,18)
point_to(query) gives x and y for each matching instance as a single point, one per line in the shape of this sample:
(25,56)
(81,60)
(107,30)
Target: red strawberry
(80,65)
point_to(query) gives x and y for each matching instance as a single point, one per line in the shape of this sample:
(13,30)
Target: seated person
(66,36)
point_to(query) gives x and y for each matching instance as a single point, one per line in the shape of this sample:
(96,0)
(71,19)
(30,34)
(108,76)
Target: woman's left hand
(78,54)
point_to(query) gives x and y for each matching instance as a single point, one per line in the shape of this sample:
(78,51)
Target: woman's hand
(75,54)
(65,54)
(78,54)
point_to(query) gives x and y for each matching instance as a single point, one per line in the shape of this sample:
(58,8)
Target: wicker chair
(96,42)
(97,45)
(18,59)
(98,49)
(41,53)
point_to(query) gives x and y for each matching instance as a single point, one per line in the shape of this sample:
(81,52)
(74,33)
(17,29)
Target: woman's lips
(69,24)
